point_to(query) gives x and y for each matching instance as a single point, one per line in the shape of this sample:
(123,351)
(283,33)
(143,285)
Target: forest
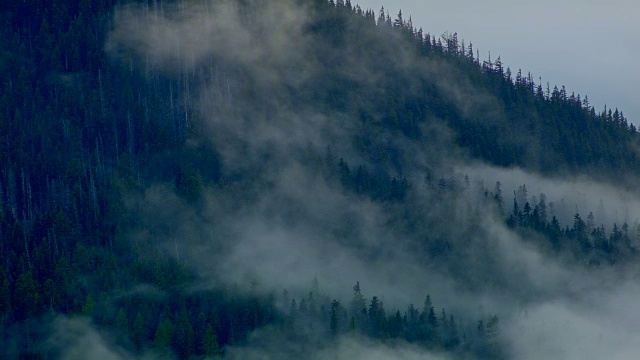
(200,179)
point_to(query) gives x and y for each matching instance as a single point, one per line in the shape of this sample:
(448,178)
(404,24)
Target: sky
(590,46)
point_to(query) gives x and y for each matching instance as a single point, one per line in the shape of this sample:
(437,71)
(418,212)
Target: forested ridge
(143,160)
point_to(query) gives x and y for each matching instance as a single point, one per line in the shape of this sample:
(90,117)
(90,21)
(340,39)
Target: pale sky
(590,46)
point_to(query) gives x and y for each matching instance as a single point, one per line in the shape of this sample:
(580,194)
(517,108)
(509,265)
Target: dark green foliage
(184,335)
(376,318)
(210,346)
(89,306)
(5,295)
(82,134)
(26,297)
(333,322)
(163,336)
(416,327)
(122,322)
(138,331)
(584,241)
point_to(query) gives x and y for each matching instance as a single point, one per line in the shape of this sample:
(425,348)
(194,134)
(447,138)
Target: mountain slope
(169,168)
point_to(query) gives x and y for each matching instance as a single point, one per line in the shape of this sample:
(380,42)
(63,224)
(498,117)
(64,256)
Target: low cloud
(570,194)
(264,347)
(292,224)
(77,338)
(598,325)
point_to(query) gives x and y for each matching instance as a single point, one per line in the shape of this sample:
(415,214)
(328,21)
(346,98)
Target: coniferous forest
(296,179)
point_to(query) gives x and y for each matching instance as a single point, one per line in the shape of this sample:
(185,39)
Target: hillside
(199,179)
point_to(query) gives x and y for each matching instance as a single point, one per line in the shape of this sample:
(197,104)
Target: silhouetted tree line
(583,238)
(434,329)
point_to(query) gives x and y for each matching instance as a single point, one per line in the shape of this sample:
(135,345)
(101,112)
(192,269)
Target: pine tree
(89,306)
(428,305)
(122,322)
(399,21)
(433,334)
(184,334)
(453,340)
(138,332)
(492,331)
(358,304)
(210,346)
(333,321)
(5,295)
(164,335)
(26,297)
(497,195)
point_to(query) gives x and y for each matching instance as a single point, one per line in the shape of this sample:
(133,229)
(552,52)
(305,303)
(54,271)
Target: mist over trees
(299,179)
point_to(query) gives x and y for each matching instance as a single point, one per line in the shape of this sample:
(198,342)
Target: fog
(295,225)
(348,347)
(570,195)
